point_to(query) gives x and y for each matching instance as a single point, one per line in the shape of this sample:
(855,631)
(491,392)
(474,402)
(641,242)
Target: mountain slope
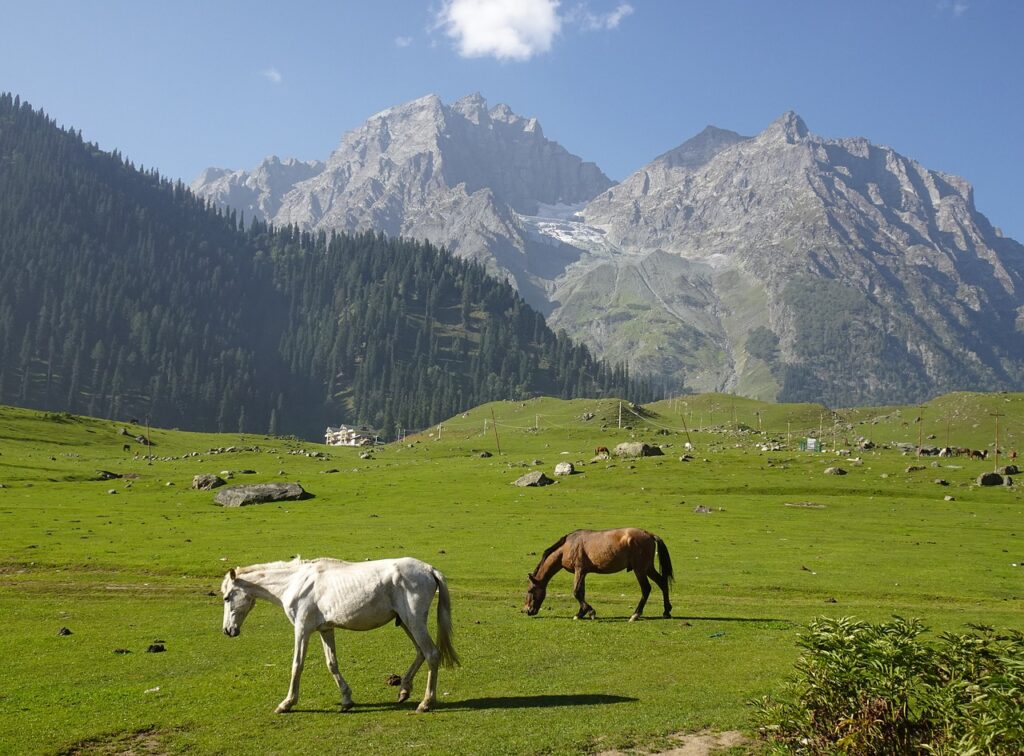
(784,265)
(879,278)
(123,294)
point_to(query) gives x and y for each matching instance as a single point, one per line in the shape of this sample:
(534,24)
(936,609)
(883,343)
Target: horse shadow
(489,702)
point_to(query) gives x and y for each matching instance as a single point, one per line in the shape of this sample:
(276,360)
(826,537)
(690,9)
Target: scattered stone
(1008,481)
(941,482)
(565,468)
(155,648)
(587,416)
(701,509)
(835,471)
(685,458)
(866,444)
(914,468)
(990,479)
(365,455)
(485,455)
(64,631)
(537,462)
(1009,470)
(947,497)
(329,470)
(831,600)
(207,482)
(260,493)
(246,472)
(169,483)
(106,475)
(804,504)
(122,651)
(111,490)
(637,449)
(535,478)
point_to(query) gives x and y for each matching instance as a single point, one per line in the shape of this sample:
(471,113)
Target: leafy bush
(881,689)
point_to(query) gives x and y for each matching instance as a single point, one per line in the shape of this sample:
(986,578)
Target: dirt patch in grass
(147,742)
(704,743)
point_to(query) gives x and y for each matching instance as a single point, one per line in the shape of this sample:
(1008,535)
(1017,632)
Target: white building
(345,436)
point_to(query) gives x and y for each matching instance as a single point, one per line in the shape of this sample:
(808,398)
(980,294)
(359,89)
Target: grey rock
(535,478)
(565,468)
(207,482)
(637,449)
(1009,470)
(835,471)
(259,493)
(990,479)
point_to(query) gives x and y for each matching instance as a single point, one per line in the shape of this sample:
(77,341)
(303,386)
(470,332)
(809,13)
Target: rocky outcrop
(535,478)
(259,493)
(207,482)
(637,449)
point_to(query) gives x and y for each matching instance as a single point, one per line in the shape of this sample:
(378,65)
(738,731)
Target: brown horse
(602,551)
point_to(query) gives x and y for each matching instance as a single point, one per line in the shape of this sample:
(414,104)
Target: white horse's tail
(444,623)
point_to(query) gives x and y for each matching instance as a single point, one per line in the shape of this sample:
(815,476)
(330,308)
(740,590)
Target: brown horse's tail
(444,623)
(664,560)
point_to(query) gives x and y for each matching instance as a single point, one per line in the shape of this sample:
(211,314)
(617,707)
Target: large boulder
(206,482)
(259,493)
(535,478)
(1009,470)
(990,479)
(637,449)
(565,468)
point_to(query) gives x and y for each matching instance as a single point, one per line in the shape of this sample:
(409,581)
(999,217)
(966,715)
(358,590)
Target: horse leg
(298,659)
(662,583)
(645,591)
(426,650)
(579,591)
(406,689)
(327,637)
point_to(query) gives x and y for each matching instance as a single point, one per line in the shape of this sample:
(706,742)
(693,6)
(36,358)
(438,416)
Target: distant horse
(976,454)
(602,551)
(322,594)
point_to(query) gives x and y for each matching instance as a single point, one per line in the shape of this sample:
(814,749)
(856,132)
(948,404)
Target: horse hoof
(422,708)
(634,618)
(667,615)
(283,708)
(403,695)
(347,706)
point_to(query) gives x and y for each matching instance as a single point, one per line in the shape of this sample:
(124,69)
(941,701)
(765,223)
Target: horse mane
(550,550)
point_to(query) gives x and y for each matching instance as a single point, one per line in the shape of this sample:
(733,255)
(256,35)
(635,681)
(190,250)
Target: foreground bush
(881,689)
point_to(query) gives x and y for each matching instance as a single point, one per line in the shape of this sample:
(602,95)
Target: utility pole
(996,415)
(789,443)
(495,424)
(536,422)
(687,430)
(947,428)
(920,428)
(439,429)
(620,415)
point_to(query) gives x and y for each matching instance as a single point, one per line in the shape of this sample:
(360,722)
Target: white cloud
(956,7)
(602,21)
(272,75)
(403,41)
(505,29)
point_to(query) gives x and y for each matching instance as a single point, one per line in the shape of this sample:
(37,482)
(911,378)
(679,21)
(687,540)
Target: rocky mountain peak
(789,126)
(472,107)
(699,149)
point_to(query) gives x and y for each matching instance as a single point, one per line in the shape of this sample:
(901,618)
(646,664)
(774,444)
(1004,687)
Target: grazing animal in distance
(602,450)
(976,454)
(603,551)
(126,448)
(319,595)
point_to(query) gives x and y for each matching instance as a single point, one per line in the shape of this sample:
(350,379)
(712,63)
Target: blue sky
(185,85)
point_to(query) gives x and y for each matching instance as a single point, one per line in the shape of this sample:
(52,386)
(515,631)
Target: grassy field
(123,570)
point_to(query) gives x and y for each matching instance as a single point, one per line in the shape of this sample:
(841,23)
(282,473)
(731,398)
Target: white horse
(322,594)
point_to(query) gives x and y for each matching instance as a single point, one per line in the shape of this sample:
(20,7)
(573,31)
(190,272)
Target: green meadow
(132,561)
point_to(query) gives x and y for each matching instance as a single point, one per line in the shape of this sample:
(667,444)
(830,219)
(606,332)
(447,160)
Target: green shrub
(881,689)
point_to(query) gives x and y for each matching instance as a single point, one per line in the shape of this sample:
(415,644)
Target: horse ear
(231,573)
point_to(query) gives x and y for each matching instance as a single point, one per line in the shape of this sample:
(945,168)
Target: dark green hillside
(122,294)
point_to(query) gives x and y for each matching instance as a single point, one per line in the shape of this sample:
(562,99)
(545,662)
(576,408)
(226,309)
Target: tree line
(123,295)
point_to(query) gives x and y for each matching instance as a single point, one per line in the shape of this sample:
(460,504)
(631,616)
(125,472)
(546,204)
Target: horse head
(534,596)
(237,603)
